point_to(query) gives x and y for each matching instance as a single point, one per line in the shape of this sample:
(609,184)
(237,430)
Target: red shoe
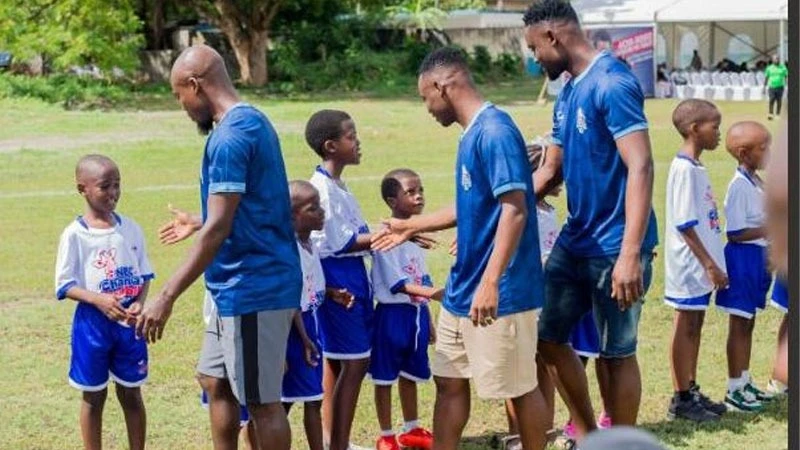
(387,443)
(416,438)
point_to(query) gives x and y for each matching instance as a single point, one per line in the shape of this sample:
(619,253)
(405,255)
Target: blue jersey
(491,162)
(594,109)
(257,267)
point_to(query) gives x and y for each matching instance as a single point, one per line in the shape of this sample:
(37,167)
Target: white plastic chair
(720,84)
(756,90)
(740,92)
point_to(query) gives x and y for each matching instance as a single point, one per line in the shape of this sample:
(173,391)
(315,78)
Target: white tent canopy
(722,11)
(617,12)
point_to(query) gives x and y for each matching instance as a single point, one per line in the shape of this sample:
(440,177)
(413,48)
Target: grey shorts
(249,351)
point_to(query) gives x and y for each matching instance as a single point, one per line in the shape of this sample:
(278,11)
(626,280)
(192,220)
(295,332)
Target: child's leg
(345,398)
(408,400)
(92,419)
(313,425)
(685,347)
(383,406)
(740,339)
(780,369)
(135,417)
(330,374)
(247,435)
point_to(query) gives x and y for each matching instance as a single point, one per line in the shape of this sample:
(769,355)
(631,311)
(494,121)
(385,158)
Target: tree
(246,24)
(72,32)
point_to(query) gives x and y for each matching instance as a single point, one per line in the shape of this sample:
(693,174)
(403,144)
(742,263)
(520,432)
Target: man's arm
(513,215)
(549,175)
(634,149)
(398,231)
(217,228)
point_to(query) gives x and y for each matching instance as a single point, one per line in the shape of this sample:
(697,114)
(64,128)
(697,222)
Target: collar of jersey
(322,170)
(582,75)
(86,226)
(747,176)
(238,105)
(689,158)
(475,117)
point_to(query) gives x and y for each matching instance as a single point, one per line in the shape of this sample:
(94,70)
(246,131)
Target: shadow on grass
(679,433)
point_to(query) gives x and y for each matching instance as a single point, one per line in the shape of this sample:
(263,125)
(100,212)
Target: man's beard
(205,126)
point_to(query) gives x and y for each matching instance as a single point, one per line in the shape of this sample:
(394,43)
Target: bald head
(301,191)
(93,166)
(746,135)
(203,63)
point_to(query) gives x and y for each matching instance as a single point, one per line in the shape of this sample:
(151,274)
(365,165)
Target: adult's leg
(778,101)
(450,412)
(270,426)
(562,361)
(224,412)
(345,399)
(623,388)
(91,419)
(687,331)
(135,417)
(772,99)
(780,369)
(532,423)
(740,339)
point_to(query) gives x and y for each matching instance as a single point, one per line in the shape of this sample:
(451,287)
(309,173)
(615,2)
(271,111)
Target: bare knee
(451,387)
(216,388)
(95,400)
(130,398)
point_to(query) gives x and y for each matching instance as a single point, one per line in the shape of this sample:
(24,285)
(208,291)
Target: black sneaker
(716,408)
(690,409)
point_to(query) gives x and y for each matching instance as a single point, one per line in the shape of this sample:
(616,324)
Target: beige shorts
(499,358)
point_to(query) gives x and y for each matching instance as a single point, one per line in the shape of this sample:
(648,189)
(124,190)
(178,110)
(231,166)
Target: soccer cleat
(715,407)
(690,409)
(604,421)
(569,431)
(743,401)
(387,443)
(762,396)
(416,438)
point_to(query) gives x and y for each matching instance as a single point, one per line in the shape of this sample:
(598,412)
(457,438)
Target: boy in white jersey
(746,260)
(694,255)
(403,322)
(102,264)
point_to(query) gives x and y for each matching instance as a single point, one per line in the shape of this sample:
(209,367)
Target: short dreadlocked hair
(547,10)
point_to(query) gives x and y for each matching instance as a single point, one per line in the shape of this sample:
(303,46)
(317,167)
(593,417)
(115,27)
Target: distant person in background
(697,63)
(775,82)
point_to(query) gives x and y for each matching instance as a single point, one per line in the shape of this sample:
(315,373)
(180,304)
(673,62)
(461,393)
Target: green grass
(159,154)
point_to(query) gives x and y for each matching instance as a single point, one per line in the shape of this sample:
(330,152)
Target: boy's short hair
(449,56)
(691,111)
(297,187)
(95,160)
(323,126)
(547,10)
(391,182)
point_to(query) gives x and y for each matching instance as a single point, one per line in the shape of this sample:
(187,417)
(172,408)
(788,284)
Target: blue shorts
(576,285)
(400,345)
(244,416)
(584,338)
(749,280)
(346,333)
(103,348)
(780,296)
(301,382)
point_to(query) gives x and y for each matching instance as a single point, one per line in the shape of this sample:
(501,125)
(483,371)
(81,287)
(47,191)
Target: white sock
(746,376)
(387,433)
(778,385)
(734,384)
(408,426)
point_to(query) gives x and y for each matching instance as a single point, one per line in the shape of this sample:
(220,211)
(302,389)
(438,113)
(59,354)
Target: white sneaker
(777,388)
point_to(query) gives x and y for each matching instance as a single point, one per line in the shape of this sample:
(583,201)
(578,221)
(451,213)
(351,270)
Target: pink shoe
(569,430)
(604,421)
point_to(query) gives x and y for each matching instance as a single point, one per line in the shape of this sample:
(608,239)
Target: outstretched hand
(396,232)
(179,228)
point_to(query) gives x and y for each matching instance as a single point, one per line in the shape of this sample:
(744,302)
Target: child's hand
(717,277)
(111,306)
(179,228)
(453,248)
(312,354)
(438,295)
(133,311)
(342,297)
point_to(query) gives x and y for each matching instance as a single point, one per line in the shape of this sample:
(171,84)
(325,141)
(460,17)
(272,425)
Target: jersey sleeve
(555,135)
(681,197)
(68,270)
(228,161)
(388,270)
(621,102)
(735,210)
(145,270)
(336,237)
(504,160)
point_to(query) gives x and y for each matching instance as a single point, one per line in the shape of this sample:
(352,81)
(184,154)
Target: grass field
(159,153)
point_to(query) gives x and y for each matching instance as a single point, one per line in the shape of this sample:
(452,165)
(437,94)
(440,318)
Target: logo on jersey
(466,179)
(713,213)
(122,281)
(580,123)
(414,271)
(312,297)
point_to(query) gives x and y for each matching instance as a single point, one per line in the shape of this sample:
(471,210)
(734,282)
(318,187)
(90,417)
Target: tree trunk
(251,54)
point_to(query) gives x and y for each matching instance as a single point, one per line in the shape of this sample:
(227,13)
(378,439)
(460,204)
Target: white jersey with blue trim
(548,229)
(391,270)
(108,260)
(343,218)
(690,204)
(313,279)
(744,205)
